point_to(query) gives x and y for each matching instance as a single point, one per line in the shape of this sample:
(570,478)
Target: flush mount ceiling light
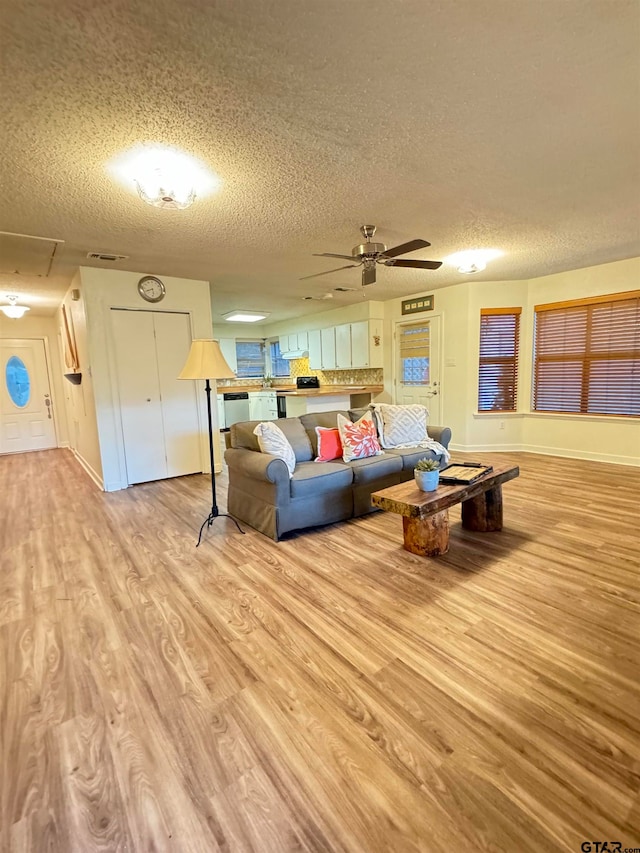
(164,177)
(245,316)
(473,260)
(14,310)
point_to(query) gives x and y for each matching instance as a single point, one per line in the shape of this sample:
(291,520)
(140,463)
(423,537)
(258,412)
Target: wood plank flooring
(331,692)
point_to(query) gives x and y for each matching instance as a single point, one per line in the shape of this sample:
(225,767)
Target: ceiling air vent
(103,256)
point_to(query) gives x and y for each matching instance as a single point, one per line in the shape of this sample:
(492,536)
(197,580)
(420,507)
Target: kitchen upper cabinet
(343,346)
(328,347)
(315,350)
(359,345)
(228,349)
(296,342)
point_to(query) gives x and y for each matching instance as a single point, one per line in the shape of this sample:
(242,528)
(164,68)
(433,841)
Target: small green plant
(427,465)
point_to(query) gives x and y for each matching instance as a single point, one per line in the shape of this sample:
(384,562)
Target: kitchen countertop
(292,391)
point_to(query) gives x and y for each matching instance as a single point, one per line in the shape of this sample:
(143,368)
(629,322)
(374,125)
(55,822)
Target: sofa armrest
(257,466)
(439,433)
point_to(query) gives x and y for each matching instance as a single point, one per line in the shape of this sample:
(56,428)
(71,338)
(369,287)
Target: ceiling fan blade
(369,275)
(411,246)
(331,255)
(417,265)
(326,272)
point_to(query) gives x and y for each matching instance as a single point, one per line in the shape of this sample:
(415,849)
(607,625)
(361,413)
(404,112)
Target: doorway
(417,362)
(26,407)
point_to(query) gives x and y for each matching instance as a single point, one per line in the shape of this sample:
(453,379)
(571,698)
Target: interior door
(417,370)
(159,412)
(26,408)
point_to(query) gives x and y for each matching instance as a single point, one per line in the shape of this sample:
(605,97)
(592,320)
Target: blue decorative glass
(18,382)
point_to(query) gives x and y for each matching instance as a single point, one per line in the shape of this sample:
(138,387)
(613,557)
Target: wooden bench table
(425,519)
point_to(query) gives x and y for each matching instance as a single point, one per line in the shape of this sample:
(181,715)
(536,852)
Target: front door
(26,408)
(417,365)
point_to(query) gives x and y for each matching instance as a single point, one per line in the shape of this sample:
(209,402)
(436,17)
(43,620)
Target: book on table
(464,473)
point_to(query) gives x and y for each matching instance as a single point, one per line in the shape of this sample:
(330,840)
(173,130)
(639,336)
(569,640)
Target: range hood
(296,353)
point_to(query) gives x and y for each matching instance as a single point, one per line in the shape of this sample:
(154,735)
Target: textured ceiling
(470,123)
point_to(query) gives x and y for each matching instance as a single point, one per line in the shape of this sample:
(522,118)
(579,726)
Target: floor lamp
(205,361)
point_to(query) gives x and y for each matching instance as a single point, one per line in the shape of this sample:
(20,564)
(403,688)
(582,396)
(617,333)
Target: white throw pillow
(401,424)
(272,440)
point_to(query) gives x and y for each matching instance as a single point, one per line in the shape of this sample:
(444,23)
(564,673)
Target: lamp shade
(205,361)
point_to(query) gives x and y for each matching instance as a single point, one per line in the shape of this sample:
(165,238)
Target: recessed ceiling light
(473,260)
(245,316)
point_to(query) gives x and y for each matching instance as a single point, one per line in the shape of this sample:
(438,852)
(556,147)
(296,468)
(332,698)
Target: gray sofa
(262,494)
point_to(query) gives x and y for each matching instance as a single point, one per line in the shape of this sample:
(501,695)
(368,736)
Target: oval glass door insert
(18,382)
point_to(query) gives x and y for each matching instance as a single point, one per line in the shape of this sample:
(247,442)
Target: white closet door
(140,403)
(179,404)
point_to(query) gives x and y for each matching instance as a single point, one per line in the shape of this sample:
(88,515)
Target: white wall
(79,399)
(106,289)
(609,439)
(46,328)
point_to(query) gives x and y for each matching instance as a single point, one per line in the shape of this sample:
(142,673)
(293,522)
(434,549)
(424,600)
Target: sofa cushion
(373,468)
(400,425)
(411,455)
(312,478)
(358,439)
(273,441)
(319,419)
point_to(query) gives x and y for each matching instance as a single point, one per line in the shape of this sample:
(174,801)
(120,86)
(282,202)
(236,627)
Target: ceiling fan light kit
(368,254)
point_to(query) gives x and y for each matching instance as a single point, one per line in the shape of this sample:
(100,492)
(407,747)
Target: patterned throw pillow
(272,440)
(401,425)
(359,440)
(329,444)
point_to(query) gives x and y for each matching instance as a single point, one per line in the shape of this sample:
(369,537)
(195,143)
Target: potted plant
(427,474)
(267,381)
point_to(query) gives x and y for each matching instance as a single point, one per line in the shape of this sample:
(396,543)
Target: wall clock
(151,288)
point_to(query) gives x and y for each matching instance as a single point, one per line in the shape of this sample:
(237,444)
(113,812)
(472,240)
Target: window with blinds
(279,366)
(250,358)
(498,368)
(414,353)
(587,356)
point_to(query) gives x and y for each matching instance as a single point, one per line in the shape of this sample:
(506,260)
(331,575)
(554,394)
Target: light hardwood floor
(328,693)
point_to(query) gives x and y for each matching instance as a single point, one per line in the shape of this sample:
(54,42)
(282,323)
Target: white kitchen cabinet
(315,350)
(228,349)
(296,342)
(328,347)
(343,346)
(359,345)
(263,406)
(302,339)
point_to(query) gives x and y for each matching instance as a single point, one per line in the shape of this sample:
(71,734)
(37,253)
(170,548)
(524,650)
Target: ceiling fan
(369,254)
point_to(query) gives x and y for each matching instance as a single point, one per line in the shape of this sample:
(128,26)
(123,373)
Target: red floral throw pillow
(359,439)
(329,444)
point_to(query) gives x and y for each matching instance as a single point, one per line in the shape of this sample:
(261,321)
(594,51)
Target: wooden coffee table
(425,519)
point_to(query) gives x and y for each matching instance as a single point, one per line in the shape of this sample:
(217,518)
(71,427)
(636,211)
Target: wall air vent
(104,256)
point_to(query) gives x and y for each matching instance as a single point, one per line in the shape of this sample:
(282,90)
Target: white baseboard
(547,451)
(63,445)
(90,471)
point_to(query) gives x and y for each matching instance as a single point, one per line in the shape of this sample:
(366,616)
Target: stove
(307,382)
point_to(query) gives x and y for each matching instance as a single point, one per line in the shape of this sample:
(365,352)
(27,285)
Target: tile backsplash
(300,367)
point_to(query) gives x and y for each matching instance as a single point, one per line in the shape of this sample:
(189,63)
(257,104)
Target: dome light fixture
(14,310)
(473,260)
(164,176)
